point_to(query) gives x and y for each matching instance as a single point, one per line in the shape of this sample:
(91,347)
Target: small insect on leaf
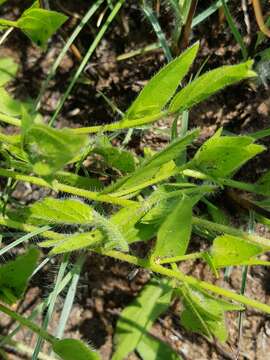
(209,83)
(72,349)
(159,90)
(14,276)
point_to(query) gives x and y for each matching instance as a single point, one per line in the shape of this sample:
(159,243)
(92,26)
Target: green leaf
(152,167)
(56,211)
(49,149)
(231,250)
(174,234)
(208,84)
(159,90)
(264,183)
(8,70)
(137,319)
(72,349)
(8,105)
(78,181)
(14,276)
(151,348)
(74,242)
(205,314)
(220,156)
(115,157)
(40,24)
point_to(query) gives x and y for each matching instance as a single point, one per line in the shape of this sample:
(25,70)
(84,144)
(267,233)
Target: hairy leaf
(72,349)
(208,84)
(56,211)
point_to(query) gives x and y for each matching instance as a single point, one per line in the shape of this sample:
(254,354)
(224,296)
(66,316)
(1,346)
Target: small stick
(259,17)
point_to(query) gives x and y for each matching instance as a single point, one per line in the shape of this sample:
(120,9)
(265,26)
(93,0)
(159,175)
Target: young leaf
(230,250)
(159,90)
(151,348)
(174,233)
(40,24)
(220,156)
(208,84)
(14,276)
(72,349)
(8,70)
(115,157)
(56,211)
(8,105)
(139,316)
(51,149)
(205,314)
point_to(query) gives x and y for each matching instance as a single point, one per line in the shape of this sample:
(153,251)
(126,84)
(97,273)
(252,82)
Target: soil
(105,287)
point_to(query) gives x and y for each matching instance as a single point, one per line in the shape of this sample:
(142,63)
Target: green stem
(175,259)
(120,125)
(189,280)
(28,228)
(91,195)
(220,228)
(10,120)
(9,23)
(28,323)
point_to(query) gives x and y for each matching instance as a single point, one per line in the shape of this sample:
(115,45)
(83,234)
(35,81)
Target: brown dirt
(104,287)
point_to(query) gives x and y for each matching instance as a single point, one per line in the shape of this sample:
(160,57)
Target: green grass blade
(86,58)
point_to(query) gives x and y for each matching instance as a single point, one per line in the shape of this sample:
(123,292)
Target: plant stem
(10,120)
(28,323)
(193,256)
(188,280)
(220,228)
(91,195)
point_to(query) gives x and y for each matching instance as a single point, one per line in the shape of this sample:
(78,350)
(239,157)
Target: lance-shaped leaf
(40,24)
(231,250)
(205,314)
(137,319)
(14,276)
(57,211)
(49,149)
(209,83)
(220,156)
(151,348)
(174,233)
(159,90)
(72,349)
